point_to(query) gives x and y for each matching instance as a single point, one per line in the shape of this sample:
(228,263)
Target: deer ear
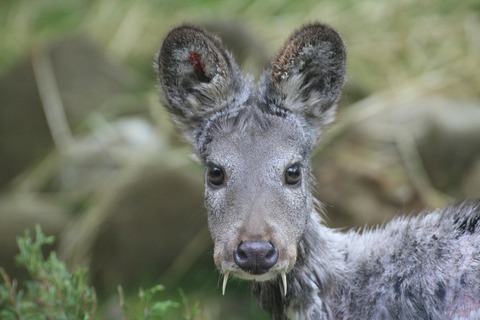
(307,75)
(197,76)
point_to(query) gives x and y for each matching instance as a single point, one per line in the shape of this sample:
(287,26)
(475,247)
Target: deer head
(255,141)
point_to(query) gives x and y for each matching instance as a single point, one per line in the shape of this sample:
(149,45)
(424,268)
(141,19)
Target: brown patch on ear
(284,56)
(199,68)
(198,78)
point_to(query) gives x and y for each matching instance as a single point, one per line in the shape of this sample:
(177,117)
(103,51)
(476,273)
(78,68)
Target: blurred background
(87,151)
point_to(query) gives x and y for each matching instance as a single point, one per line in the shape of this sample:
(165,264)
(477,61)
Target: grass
(390,43)
(53,292)
(426,46)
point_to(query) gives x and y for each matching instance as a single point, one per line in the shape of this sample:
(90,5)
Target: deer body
(255,142)
(414,268)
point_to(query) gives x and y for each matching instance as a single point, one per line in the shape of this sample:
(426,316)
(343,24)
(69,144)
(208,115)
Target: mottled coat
(426,267)
(256,141)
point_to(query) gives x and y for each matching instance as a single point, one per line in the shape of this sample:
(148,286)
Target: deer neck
(317,280)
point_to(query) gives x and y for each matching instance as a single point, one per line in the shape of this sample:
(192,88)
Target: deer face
(257,195)
(255,141)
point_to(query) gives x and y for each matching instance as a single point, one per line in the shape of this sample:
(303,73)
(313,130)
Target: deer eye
(215,175)
(293,174)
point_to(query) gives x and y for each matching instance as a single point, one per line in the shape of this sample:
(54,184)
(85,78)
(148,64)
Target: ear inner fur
(199,78)
(306,77)
(309,35)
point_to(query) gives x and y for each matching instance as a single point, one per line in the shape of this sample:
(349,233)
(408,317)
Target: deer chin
(268,276)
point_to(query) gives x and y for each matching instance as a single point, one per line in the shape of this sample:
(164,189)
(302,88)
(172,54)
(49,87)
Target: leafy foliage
(150,309)
(54,293)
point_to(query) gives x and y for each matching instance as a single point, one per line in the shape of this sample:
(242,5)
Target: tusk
(224,285)
(284,282)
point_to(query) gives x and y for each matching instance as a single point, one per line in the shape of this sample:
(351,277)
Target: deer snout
(255,256)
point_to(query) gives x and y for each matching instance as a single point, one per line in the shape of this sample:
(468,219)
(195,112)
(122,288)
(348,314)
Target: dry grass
(395,47)
(431,44)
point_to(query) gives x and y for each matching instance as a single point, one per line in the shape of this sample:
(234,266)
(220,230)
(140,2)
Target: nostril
(272,253)
(240,252)
(255,256)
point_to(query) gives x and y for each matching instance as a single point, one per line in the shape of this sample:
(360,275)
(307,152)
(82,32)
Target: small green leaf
(160,308)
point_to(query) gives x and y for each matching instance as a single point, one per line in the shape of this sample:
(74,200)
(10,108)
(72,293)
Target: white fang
(284,282)
(224,285)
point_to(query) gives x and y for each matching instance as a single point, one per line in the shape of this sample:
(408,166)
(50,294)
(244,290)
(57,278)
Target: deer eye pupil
(215,175)
(293,174)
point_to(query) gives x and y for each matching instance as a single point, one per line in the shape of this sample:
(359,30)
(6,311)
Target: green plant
(150,309)
(52,292)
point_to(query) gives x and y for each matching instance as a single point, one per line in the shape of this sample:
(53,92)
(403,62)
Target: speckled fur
(422,267)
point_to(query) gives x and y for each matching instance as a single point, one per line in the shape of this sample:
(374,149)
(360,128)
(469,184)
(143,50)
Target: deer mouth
(255,260)
(264,277)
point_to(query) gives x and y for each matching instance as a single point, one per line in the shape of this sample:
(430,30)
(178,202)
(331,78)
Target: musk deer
(255,141)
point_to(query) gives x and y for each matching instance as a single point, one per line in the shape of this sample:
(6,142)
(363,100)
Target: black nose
(255,256)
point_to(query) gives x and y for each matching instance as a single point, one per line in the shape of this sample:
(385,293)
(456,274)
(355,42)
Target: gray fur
(424,267)
(192,96)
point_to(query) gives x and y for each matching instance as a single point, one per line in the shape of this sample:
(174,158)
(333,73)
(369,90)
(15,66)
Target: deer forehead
(279,144)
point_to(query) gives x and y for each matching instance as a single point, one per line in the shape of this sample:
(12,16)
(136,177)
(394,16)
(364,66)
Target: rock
(95,157)
(73,73)
(471,182)
(139,225)
(452,145)
(19,213)
(394,156)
